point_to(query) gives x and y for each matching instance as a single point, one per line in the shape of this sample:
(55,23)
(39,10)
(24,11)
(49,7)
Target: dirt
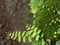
(14,15)
(20,13)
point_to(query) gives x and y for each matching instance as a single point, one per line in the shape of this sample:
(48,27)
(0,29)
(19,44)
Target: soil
(14,15)
(19,12)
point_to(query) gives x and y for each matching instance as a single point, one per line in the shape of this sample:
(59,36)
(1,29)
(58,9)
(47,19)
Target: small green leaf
(55,32)
(29,39)
(38,32)
(52,7)
(19,39)
(37,37)
(43,42)
(52,21)
(26,34)
(19,36)
(23,33)
(57,19)
(42,35)
(54,11)
(30,32)
(33,35)
(54,36)
(28,28)
(48,9)
(55,22)
(24,39)
(35,29)
(43,6)
(58,31)
(48,40)
(15,35)
(12,35)
(59,25)
(58,12)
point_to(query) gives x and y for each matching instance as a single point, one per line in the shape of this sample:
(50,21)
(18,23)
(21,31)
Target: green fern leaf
(19,36)
(29,39)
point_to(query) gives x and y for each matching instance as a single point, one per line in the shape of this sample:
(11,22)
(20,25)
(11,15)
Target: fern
(30,34)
